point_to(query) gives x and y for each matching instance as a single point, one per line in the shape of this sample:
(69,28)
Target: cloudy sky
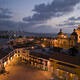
(39,15)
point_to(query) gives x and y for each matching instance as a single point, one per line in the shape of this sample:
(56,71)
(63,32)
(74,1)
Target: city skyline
(39,15)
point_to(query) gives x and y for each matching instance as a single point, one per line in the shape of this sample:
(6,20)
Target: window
(15,51)
(40,61)
(64,42)
(45,63)
(18,51)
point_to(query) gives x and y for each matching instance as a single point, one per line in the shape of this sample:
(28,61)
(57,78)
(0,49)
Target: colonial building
(61,64)
(63,41)
(78,33)
(64,66)
(6,55)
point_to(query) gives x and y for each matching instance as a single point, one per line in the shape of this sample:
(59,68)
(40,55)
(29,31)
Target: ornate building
(63,41)
(78,33)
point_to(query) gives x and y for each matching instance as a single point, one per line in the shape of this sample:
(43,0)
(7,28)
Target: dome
(60,33)
(74,33)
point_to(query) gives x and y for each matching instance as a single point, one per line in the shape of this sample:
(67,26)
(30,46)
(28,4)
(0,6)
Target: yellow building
(65,67)
(63,41)
(78,33)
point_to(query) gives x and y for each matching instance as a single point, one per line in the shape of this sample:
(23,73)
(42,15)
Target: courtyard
(17,70)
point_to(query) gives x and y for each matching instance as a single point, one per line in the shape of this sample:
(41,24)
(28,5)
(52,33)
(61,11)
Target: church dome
(60,33)
(74,33)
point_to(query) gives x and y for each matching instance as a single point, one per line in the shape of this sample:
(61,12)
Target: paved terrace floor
(17,71)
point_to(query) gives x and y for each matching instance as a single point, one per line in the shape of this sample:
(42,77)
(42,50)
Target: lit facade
(67,68)
(64,70)
(5,60)
(63,41)
(62,67)
(78,32)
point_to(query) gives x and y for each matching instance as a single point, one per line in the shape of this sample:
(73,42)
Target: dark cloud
(45,29)
(7,25)
(30,27)
(69,24)
(5,10)
(55,9)
(5,13)
(74,19)
(2,16)
(42,13)
(16,26)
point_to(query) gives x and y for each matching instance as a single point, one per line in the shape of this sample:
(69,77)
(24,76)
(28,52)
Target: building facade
(63,41)
(5,57)
(63,66)
(66,68)
(78,33)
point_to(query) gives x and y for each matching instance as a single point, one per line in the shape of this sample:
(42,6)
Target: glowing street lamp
(32,47)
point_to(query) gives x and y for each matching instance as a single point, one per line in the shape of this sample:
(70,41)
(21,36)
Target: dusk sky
(39,15)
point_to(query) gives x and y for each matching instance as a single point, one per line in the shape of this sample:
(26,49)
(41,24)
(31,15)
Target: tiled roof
(66,58)
(2,53)
(39,54)
(57,56)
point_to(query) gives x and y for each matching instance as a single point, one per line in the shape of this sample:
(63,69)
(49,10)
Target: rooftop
(3,41)
(4,52)
(56,55)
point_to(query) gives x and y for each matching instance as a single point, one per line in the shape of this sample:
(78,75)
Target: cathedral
(64,41)
(78,33)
